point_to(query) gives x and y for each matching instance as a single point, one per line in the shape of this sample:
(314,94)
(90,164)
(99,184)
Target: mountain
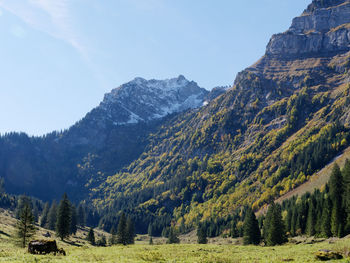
(109,137)
(285,118)
(144,100)
(169,151)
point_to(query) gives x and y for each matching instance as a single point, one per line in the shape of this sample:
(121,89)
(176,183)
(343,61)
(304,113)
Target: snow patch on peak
(143,100)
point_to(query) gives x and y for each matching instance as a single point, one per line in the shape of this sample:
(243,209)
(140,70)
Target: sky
(59,58)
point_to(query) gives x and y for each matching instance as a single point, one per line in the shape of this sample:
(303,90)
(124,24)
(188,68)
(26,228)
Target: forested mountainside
(152,150)
(285,118)
(108,138)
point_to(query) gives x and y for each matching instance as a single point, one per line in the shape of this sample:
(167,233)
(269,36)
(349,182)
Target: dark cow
(44,247)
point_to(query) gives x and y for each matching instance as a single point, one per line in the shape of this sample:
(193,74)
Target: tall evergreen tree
(346,198)
(311,220)
(251,231)
(234,230)
(64,218)
(293,221)
(113,239)
(73,223)
(130,232)
(202,235)
(44,215)
(121,231)
(22,201)
(52,216)
(81,216)
(91,236)
(2,185)
(326,219)
(25,225)
(150,230)
(336,192)
(274,232)
(173,238)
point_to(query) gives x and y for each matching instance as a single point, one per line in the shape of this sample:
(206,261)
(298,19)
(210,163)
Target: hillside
(79,250)
(169,152)
(109,137)
(285,118)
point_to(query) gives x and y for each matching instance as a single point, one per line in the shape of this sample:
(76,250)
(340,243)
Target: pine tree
(336,192)
(202,235)
(326,219)
(150,230)
(346,198)
(81,216)
(44,215)
(22,201)
(293,221)
(234,231)
(310,223)
(91,236)
(289,220)
(25,225)
(274,232)
(52,216)
(2,185)
(121,232)
(73,224)
(151,240)
(64,218)
(130,232)
(251,231)
(113,239)
(173,238)
(35,210)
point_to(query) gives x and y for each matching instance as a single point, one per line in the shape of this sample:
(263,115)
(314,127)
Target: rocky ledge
(323,28)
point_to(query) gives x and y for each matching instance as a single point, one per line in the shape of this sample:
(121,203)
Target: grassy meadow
(218,250)
(176,253)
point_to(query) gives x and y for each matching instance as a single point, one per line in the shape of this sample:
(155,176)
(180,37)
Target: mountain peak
(144,100)
(323,28)
(319,4)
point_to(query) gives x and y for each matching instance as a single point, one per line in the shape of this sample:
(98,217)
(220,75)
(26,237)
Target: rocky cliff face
(144,100)
(323,28)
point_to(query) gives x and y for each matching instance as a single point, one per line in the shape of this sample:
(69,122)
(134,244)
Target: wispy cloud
(49,16)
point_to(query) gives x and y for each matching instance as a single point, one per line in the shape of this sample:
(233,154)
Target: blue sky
(58,58)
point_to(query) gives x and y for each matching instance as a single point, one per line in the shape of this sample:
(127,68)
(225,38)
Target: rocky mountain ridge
(144,100)
(321,29)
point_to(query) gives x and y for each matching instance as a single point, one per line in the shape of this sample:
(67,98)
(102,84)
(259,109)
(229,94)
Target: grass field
(219,249)
(177,253)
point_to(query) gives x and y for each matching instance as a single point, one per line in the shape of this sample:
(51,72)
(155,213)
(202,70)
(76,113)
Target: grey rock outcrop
(323,28)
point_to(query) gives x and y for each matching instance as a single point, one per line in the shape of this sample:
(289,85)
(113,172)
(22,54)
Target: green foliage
(64,218)
(173,238)
(122,235)
(326,222)
(113,238)
(91,236)
(274,230)
(130,231)
(201,235)
(52,216)
(74,219)
(335,193)
(25,227)
(44,215)
(251,230)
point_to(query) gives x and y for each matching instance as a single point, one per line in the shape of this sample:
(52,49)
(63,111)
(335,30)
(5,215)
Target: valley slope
(285,118)
(152,150)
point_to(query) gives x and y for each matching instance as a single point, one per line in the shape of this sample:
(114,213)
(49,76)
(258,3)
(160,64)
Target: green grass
(218,251)
(177,253)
